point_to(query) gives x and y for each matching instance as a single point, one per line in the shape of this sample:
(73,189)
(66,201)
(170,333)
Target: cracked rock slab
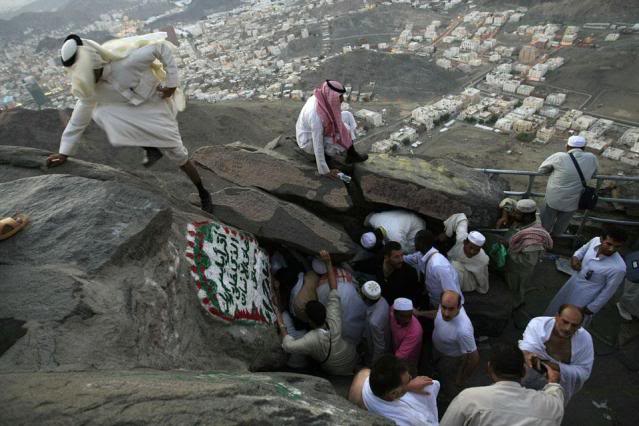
(437,188)
(175,398)
(246,165)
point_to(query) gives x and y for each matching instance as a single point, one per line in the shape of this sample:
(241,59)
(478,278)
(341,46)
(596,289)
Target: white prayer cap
(319,266)
(526,206)
(403,304)
(368,240)
(69,50)
(371,290)
(577,141)
(476,238)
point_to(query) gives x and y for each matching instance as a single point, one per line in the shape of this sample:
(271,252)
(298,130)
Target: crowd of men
(397,309)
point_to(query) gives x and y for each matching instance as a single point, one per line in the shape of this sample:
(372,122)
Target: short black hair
(575,307)
(390,247)
(386,375)
(527,218)
(615,233)
(507,360)
(316,312)
(424,239)
(287,277)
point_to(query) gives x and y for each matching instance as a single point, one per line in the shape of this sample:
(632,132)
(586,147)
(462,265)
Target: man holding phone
(559,343)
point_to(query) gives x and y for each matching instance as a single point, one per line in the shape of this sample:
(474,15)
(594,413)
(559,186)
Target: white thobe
(437,273)
(309,132)
(353,311)
(472,271)
(506,403)
(582,354)
(412,409)
(564,186)
(606,275)
(377,330)
(398,225)
(127,104)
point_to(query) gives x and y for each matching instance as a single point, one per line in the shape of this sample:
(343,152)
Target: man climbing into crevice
(128,86)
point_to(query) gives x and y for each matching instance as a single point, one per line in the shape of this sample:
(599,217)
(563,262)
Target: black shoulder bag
(589,197)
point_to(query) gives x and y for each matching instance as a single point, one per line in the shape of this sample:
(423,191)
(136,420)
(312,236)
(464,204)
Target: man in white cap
(377,329)
(564,184)
(526,245)
(467,255)
(128,87)
(394,225)
(406,331)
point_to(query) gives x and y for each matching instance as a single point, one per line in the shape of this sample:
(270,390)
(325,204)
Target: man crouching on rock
(127,86)
(324,343)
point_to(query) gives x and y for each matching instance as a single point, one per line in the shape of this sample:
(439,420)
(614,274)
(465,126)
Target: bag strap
(581,175)
(330,345)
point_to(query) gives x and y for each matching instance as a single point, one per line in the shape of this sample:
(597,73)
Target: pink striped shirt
(407,341)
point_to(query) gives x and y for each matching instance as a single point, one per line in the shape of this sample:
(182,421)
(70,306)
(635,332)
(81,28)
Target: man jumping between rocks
(128,86)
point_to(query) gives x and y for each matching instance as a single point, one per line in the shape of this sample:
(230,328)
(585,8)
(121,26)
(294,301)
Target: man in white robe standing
(561,342)
(467,255)
(128,86)
(599,271)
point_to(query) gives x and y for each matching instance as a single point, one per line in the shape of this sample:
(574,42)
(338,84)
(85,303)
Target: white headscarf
(92,55)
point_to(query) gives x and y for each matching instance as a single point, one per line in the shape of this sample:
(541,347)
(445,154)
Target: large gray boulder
(99,279)
(175,398)
(246,165)
(436,188)
(268,217)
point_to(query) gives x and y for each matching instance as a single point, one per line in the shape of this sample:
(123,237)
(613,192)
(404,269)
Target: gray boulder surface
(99,280)
(246,165)
(436,188)
(175,398)
(280,221)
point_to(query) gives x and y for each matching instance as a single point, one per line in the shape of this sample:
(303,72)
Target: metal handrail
(586,216)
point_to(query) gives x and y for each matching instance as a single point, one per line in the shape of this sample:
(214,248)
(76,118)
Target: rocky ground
(98,309)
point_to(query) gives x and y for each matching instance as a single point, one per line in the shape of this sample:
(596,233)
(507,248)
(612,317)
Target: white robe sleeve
(581,252)
(317,133)
(612,284)
(575,374)
(413,260)
(163,53)
(80,119)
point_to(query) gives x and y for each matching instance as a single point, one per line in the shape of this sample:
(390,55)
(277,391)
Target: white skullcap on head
(403,304)
(368,240)
(69,48)
(371,290)
(526,206)
(476,238)
(319,266)
(577,141)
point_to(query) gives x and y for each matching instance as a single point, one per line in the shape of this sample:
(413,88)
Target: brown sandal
(9,226)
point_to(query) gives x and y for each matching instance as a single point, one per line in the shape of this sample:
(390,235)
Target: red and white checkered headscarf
(330,112)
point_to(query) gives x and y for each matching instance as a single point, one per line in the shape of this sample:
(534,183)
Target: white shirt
(377,331)
(309,132)
(399,225)
(437,272)
(472,271)
(506,403)
(573,374)
(354,311)
(455,337)
(596,282)
(127,105)
(564,186)
(412,409)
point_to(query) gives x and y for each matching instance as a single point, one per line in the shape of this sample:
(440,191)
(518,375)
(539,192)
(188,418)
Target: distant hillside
(402,76)
(198,9)
(77,12)
(574,10)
